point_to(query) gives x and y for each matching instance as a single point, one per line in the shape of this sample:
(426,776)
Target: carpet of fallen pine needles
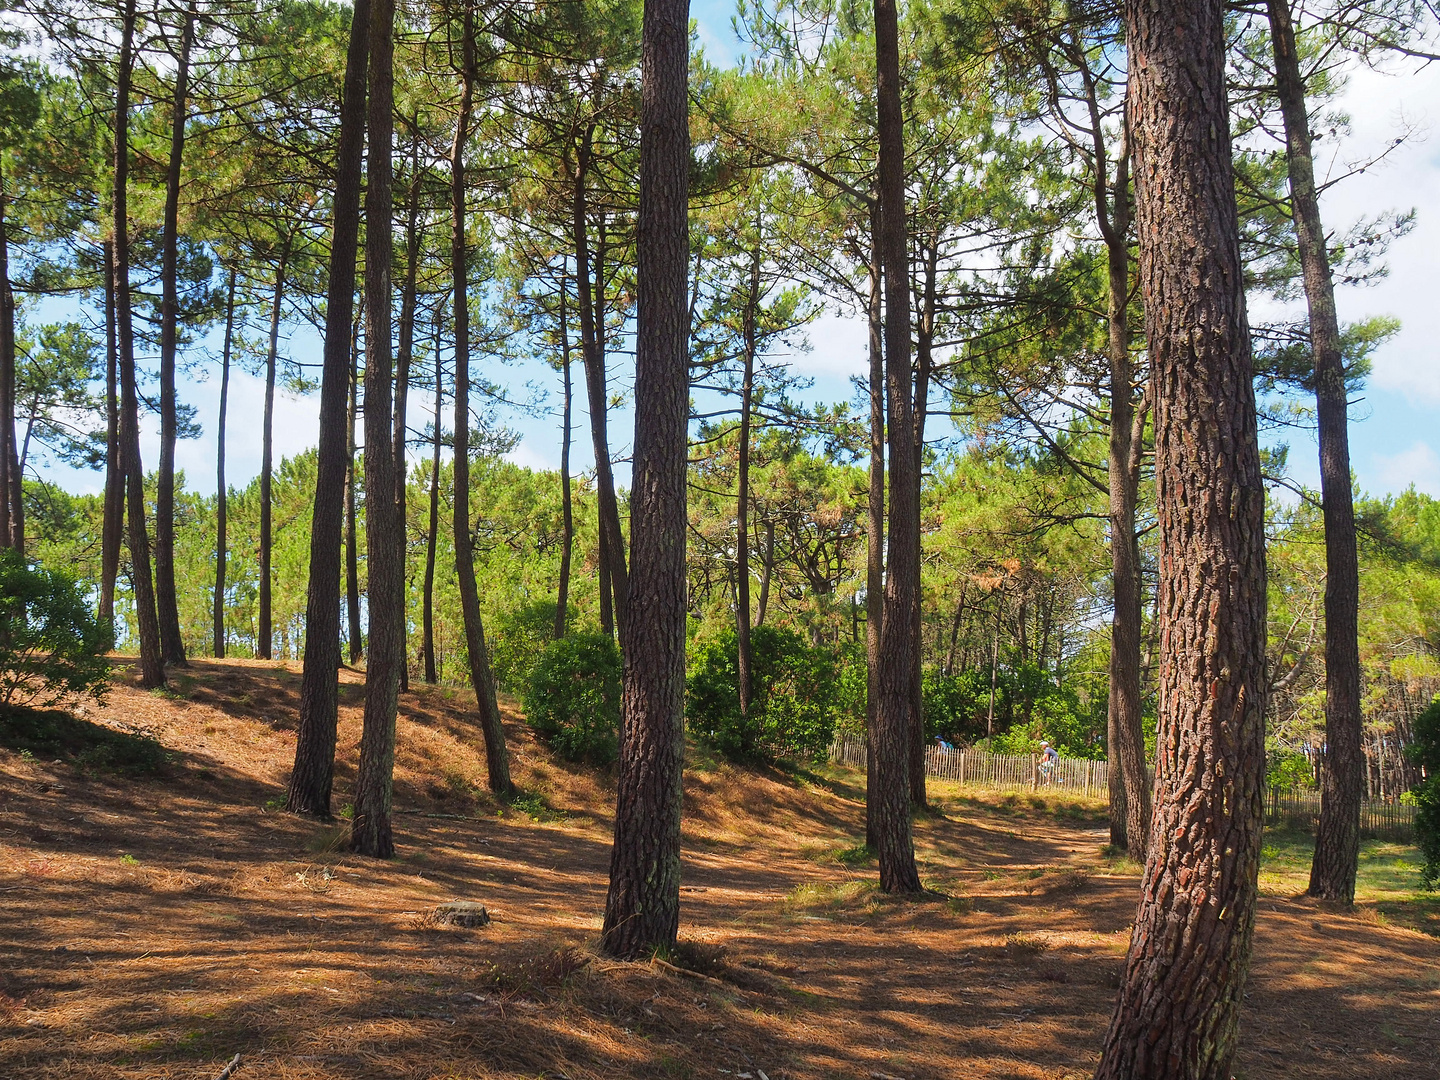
(157,925)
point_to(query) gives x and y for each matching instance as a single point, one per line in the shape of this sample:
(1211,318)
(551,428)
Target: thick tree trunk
(1179,1003)
(497,760)
(267,454)
(893,723)
(642,908)
(427,645)
(354,638)
(591,301)
(742,498)
(371,832)
(112,528)
(221,493)
(152,667)
(172,644)
(875,534)
(1337,840)
(310,782)
(562,595)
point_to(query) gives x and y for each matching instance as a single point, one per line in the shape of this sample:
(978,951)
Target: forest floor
(161,915)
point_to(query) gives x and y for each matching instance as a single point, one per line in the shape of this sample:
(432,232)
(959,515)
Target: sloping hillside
(162,916)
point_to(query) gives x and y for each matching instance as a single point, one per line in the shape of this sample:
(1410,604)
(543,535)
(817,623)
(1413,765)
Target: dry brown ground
(154,928)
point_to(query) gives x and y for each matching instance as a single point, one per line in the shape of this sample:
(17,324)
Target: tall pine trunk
(354,634)
(172,645)
(403,356)
(221,493)
(1179,1004)
(562,595)
(890,814)
(497,761)
(152,667)
(742,496)
(1129,779)
(432,531)
(1342,780)
(371,832)
(875,533)
(267,453)
(312,777)
(12,511)
(112,528)
(924,362)
(591,300)
(642,907)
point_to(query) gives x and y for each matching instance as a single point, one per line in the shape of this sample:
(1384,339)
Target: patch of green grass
(1387,886)
(52,734)
(533,805)
(129,860)
(855,855)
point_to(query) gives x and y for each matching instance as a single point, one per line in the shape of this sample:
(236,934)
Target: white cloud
(1418,465)
(1382,107)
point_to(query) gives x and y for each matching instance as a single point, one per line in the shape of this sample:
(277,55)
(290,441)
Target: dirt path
(156,927)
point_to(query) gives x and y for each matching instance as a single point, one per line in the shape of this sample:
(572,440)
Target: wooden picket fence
(997,772)
(1297,808)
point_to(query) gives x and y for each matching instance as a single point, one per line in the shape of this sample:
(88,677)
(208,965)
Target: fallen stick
(667,966)
(229,1070)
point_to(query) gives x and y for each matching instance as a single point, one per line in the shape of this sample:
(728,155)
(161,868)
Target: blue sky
(1395,436)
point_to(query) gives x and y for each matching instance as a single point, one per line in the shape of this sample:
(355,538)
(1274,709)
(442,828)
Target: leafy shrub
(956,705)
(573,700)
(52,649)
(1029,707)
(1425,752)
(1286,768)
(796,696)
(518,641)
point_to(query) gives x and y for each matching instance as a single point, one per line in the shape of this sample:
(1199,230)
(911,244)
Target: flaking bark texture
(312,776)
(890,796)
(1179,1003)
(371,833)
(1342,779)
(642,908)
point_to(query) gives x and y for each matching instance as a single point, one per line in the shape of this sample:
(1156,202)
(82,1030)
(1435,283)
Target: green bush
(1286,768)
(517,642)
(1029,707)
(573,700)
(797,695)
(52,649)
(1425,752)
